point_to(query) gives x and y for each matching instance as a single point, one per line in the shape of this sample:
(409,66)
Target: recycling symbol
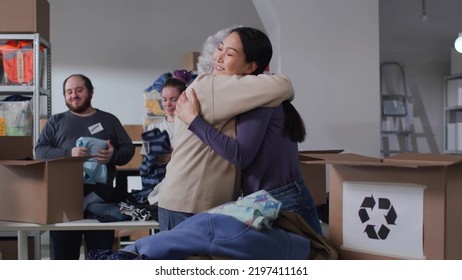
(367,207)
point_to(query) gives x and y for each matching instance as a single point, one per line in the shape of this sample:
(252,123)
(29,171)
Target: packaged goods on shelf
(16,118)
(18,66)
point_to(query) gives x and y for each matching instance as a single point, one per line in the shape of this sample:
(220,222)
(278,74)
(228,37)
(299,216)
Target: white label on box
(2,126)
(20,66)
(383,218)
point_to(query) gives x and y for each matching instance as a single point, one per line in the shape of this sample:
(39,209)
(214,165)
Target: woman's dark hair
(176,83)
(257,47)
(85,79)
(294,126)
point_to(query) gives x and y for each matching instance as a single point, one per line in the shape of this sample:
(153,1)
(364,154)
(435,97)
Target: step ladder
(397,110)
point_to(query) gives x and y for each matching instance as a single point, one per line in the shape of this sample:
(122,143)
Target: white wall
(329,48)
(124,46)
(423,48)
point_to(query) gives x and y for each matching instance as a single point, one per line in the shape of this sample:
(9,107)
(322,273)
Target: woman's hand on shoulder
(187,108)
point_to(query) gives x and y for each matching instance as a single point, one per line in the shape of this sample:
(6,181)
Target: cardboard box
(314,175)
(38,191)
(134,131)
(16,148)
(135,162)
(189,61)
(42,123)
(25,16)
(413,198)
(128,235)
(9,248)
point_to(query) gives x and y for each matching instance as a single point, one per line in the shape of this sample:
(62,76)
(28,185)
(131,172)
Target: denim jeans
(97,208)
(296,197)
(169,219)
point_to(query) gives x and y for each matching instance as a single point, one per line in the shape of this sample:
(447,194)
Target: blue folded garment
(93,171)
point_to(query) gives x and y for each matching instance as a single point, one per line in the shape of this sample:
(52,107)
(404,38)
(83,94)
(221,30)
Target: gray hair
(205,60)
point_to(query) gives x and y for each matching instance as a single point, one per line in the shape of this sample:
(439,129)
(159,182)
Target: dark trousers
(66,244)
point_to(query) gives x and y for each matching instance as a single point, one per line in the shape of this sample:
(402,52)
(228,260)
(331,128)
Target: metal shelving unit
(39,89)
(452,114)
(41,85)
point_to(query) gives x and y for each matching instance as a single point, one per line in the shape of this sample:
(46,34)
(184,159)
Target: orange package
(18,62)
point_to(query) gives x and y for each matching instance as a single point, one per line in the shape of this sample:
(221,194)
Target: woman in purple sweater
(265,147)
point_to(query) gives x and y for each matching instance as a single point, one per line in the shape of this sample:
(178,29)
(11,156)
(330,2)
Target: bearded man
(59,139)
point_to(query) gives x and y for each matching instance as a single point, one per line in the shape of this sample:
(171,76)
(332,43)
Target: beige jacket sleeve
(223,97)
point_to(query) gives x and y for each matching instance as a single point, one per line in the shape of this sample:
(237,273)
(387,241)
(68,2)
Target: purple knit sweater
(268,158)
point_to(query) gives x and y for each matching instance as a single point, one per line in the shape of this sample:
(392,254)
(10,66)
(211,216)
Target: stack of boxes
(33,191)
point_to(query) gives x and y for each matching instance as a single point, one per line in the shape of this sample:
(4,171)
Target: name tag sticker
(95,128)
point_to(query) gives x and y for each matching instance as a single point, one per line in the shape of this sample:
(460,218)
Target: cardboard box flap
(306,155)
(19,162)
(31,162)
(309,152)
(347,158)
(419,159)
(409,160)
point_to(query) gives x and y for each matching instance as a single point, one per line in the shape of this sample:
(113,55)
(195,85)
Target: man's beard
(81,108)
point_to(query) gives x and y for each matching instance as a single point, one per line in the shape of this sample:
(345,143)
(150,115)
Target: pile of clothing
(250,228)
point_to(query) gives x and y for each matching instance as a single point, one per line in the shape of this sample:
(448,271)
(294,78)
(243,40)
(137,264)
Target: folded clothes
(93,171)
(257,210)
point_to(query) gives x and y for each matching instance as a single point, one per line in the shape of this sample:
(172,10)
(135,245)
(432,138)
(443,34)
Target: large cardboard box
(16,148)
(9,248)
(403,207)
(134,131)
(135,162)
(25,16)
(189,61)
(38,191)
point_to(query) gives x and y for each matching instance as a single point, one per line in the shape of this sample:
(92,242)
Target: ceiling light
(458,43)
(423,16)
